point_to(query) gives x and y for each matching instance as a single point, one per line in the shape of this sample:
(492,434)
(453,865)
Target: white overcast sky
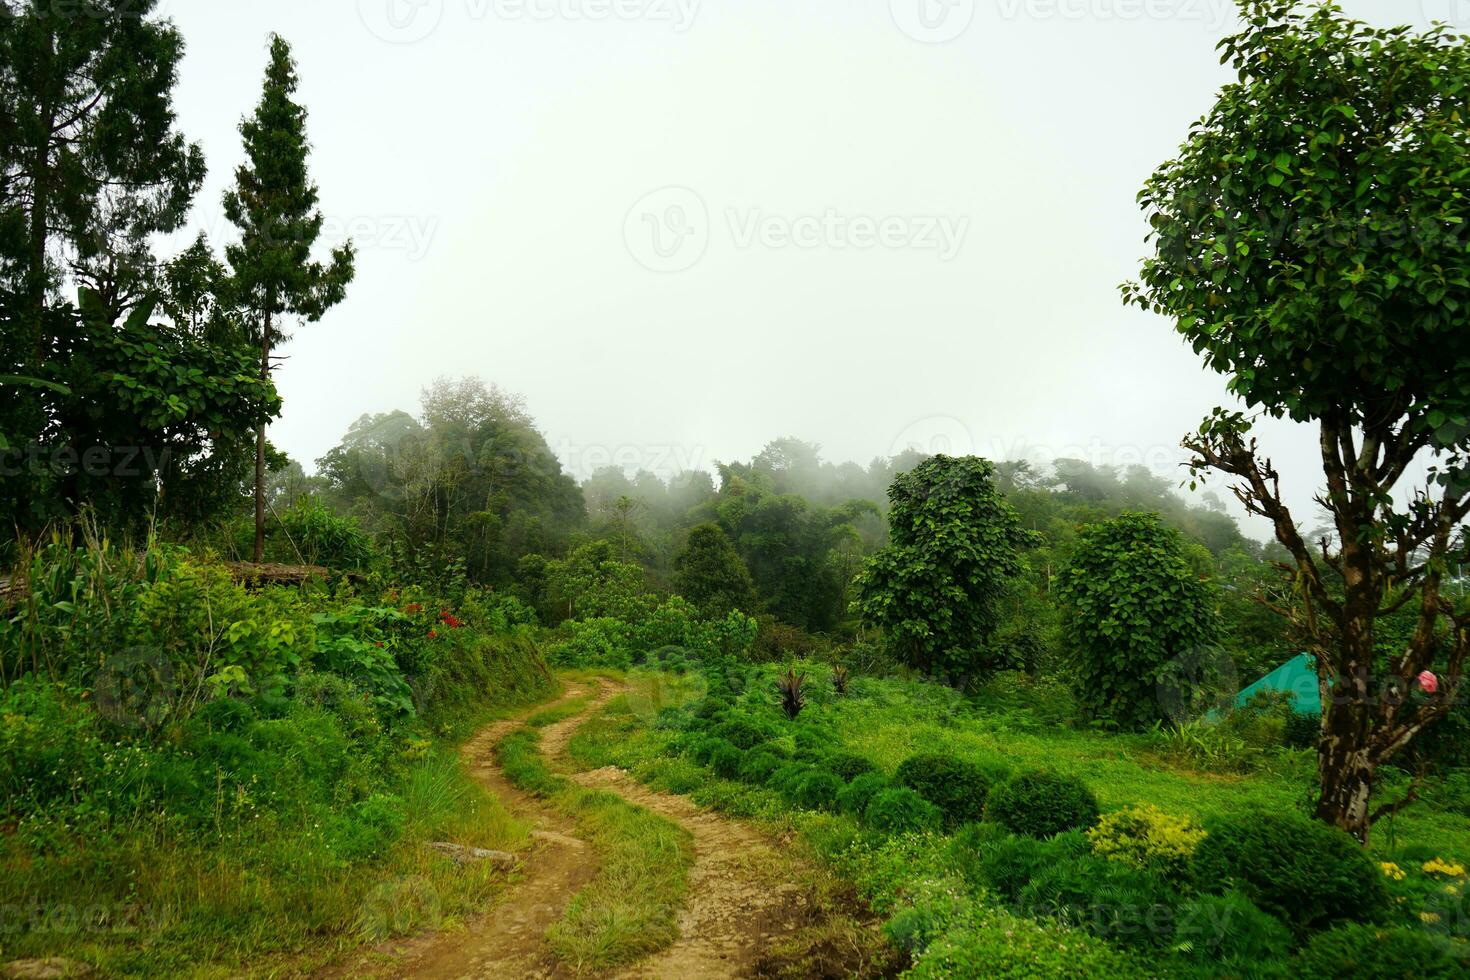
(681,228)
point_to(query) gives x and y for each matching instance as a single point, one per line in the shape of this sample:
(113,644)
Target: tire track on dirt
(740,897)
(508,940)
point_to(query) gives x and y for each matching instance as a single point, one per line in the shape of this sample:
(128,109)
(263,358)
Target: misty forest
(437,703)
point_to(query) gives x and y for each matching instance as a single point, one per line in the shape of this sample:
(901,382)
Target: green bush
(899,810)
(725,760)
(1131,602)
(847,766)
(1005,947)
(818,791)
(1365,952)
(1042,803)
(1146,837)
(757,767)
(954,785)
(855,796)
(1007,864)
(706,749)
(1108,899)
(1307,873)
(786,779)
(742,731)
(1231,932)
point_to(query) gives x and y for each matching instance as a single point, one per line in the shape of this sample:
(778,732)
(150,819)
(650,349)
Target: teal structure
(1297,677)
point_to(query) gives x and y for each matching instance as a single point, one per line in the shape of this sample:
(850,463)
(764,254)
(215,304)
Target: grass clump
(628,909)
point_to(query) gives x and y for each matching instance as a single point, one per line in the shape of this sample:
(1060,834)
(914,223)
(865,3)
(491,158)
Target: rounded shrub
(1108,899)
(956,786)
(742,731)
(756,767)
(1301,870)
(855,796)
(818,791)
(1042,803)
(705,750)
(711,708)
(785,779)
(1006,863)
(1365,952)
(1229,932)
(847,766)
(900,810)
(725,760)
(1147,838)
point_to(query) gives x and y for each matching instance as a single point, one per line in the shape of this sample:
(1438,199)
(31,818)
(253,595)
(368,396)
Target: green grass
(628,910)
(259,891)
(914,879)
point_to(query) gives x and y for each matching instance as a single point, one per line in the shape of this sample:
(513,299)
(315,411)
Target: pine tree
(274,204)
(90,161)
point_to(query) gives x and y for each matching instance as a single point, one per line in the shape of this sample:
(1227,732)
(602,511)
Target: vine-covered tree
(936,591)
(274,204)
(1310,242)
(711,575)
(1136,616)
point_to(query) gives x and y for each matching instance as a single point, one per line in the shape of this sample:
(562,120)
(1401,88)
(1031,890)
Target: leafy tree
(274,204)
(1135,613)
(474,480)
(89,159)
(937,589)
(711,575)
(1309,241)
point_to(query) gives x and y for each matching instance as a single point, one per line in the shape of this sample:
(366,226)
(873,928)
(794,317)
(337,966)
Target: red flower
(432,634)
(449,619)
(413,609)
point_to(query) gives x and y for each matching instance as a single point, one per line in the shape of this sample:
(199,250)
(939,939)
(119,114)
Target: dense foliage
(1138,619)
(936,590)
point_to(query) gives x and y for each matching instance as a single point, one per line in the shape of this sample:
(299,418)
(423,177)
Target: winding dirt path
(508,940)
(741,894)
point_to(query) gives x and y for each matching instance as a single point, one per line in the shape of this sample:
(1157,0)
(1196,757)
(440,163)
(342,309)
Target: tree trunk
(1346,776)
(265,373)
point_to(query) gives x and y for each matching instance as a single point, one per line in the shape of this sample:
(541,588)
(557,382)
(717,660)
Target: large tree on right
(1312,241)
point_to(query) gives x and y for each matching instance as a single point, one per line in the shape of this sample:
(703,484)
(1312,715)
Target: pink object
(1428,682)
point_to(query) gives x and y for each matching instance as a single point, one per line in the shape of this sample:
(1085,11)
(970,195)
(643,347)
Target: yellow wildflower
(1391,870)
(1439,866)
(1429,917)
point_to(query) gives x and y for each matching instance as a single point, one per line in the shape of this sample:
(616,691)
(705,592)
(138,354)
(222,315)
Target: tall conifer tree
(274,204)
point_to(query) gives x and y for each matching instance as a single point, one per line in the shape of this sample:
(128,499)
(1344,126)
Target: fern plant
(839,679)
